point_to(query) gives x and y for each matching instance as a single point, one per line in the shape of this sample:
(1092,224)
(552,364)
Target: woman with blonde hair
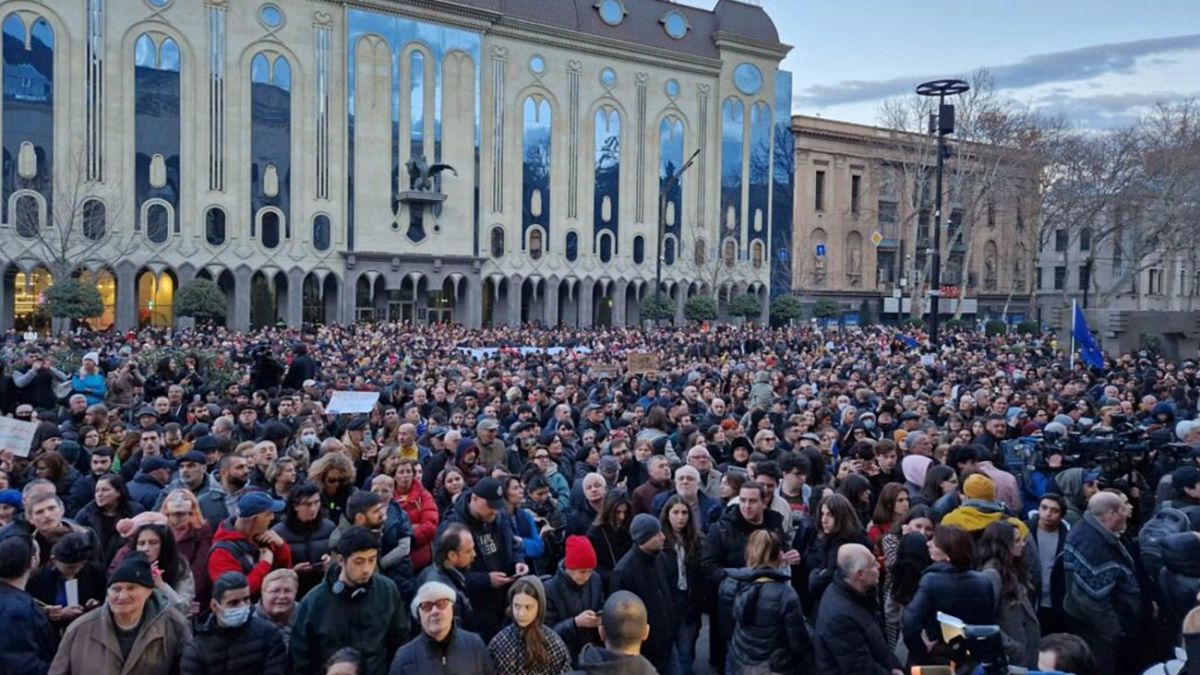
(334,474)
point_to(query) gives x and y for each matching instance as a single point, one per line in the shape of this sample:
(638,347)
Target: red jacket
(422,510)
(221,560)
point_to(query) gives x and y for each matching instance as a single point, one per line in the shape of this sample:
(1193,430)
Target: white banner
(343,402)
(17,435)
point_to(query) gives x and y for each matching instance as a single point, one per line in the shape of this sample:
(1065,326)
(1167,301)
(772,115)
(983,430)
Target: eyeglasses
(441,603)
(541,456)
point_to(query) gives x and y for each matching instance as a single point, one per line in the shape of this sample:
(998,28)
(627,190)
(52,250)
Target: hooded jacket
(724,547)
(645,575)
(90,644)
(371,618)
(767,621)
(1070,486)
(507,649)
(976,514)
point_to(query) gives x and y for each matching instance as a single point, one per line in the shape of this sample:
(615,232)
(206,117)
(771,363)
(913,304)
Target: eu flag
(1089,351)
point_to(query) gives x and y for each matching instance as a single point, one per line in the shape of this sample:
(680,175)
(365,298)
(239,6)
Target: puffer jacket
(254,647)
(565,600)
(90,644)
(963,593)
(422,511)
(767,621)
(1179,580)
(725,545)
(462,653)
(307,547)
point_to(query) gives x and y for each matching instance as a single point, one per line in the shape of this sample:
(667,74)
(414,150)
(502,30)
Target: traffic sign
(877,238)
(820,250)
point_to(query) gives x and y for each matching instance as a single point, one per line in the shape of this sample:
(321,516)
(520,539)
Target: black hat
(357,424)
(146,411)
(194,456)
(522,426)
(133,570)
(156,463)
(909,415)
(491,490)
(207,444)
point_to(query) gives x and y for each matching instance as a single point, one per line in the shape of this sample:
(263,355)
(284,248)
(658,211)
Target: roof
(642,21)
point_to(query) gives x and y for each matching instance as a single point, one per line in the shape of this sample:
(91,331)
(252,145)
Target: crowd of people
(518,501)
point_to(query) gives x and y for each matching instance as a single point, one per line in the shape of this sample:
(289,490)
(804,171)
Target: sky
(1100,63)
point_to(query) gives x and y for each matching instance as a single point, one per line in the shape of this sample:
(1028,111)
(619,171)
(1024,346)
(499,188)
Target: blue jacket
(1102,592)
(27,643)
(93,386)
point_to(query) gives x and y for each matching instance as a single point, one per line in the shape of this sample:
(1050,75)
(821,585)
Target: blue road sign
(820,250)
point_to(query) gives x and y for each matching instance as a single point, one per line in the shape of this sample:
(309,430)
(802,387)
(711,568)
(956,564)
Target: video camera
(1109,450)
(975,650)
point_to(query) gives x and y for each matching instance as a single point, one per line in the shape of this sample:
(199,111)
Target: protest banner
(346,402)
(640,363)
(17,435)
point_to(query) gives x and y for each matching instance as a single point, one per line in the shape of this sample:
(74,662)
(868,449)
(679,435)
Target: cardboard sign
(640,363)
(17,435)
(343,402)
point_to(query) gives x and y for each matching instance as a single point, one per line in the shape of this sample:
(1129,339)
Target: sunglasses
(442,603)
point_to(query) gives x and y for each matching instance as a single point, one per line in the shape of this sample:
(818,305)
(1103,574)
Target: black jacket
(820,560)
(645,576)
(565,600)
(46,583)
(963,593)
(767,622)
(307,547)
(374,622)
(725,546)
(1179,580)
(464,614)
(27,641)
(255,647)
(463,653)
(599,661)
(488,601)
(848,636)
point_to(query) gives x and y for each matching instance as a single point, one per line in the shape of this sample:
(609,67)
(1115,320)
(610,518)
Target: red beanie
(580,554)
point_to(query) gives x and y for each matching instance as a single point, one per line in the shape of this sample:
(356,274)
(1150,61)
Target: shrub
(785,309)
(200,299)
(746,306)
(73,299)
(995,327)
(700,308)
(826,309)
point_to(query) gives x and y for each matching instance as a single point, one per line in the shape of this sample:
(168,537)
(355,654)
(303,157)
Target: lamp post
(664,189)
(945,126)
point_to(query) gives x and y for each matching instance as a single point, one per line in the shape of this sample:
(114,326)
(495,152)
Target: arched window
(270,229)
(497,242)
(572,246)
(535,244)
(214,226)
(27,216)
(320,233)
(94,214)
(606,247)
(756,254)
(700,252)
(729,253)
(157,223)
(639,250)
(669,250)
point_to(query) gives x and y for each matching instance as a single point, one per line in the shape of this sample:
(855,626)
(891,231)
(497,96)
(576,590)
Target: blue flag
(1089,351)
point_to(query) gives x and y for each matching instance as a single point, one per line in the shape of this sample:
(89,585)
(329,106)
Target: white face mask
(309,439)
(238,616)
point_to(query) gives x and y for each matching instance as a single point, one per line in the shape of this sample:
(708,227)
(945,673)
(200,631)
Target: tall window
(1060,278)
(1085,239)
(214,226)
(855,194)
(1084,277)
(497,242)
(639,250)
(572,247)
(819,192)
(535,244)
(1060,240)
(321,233)
(93,219)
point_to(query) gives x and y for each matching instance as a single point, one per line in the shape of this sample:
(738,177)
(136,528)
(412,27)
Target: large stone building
(860,220)
(266,145)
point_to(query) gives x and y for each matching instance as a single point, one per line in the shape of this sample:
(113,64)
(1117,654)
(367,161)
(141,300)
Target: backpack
(1166,522)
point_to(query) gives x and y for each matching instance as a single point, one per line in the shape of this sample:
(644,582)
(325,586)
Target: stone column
(515,289)
(550,302)
(184,275)
(295,299)
(587,288)
(349,298)
(680,301)
(618,308)
(241,299)
(468,306)
(127,308)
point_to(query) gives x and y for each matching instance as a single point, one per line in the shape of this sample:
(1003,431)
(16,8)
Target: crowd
(518,502)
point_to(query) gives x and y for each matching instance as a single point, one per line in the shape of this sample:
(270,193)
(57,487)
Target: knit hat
(127,526)
(94,357)
(980,487)
(133,570)
(11,497)
(644,528)
(580,554)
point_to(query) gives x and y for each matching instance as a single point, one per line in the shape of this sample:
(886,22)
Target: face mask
(309,440)
(868,424)
(235,617)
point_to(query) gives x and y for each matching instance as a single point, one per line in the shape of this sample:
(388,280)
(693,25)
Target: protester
(27,640)
(441,646)
(233,639)
(527,646)
(624,629)
(847,637)
(245,544)
(1000,556)
(73,562)
(278,602)
(641,571)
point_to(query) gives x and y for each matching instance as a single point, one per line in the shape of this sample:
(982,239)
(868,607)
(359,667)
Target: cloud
(1105,111)
(1066,66)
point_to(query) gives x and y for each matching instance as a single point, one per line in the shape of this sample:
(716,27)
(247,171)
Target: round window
(608,77)
(672,88)
(675,25)
(611,11)
(748,78)
(537,64)
(270,16)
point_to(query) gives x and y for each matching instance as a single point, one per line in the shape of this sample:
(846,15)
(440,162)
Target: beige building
(476,161)
(859,224)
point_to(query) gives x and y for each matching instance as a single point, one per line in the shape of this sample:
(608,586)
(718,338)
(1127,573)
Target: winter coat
(232,552)
(90,645)
(580,517)
(725,545)
(27,641)
(848,636)
(559,486)
(599,661)
(645,576)
(374,622)
(462,653)
(565,600)
(194,547)
(508,647)
(180,593)
(1019,621)
(963,593)
(489,602)
(93,386)
(766,619)
(145,491)
(107,539)
(706,511)
(1102,593)
(48,586)
(463,612)
(1179,579)
(422,510)
(820,559)
(307,547)
(611,544)
(255,647)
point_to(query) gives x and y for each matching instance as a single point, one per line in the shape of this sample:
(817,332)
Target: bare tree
(80,227)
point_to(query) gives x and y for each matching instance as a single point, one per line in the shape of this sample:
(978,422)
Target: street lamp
(664,189)
(945,126)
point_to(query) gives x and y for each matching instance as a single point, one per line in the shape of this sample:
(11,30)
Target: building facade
(476,161)
(864,212)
